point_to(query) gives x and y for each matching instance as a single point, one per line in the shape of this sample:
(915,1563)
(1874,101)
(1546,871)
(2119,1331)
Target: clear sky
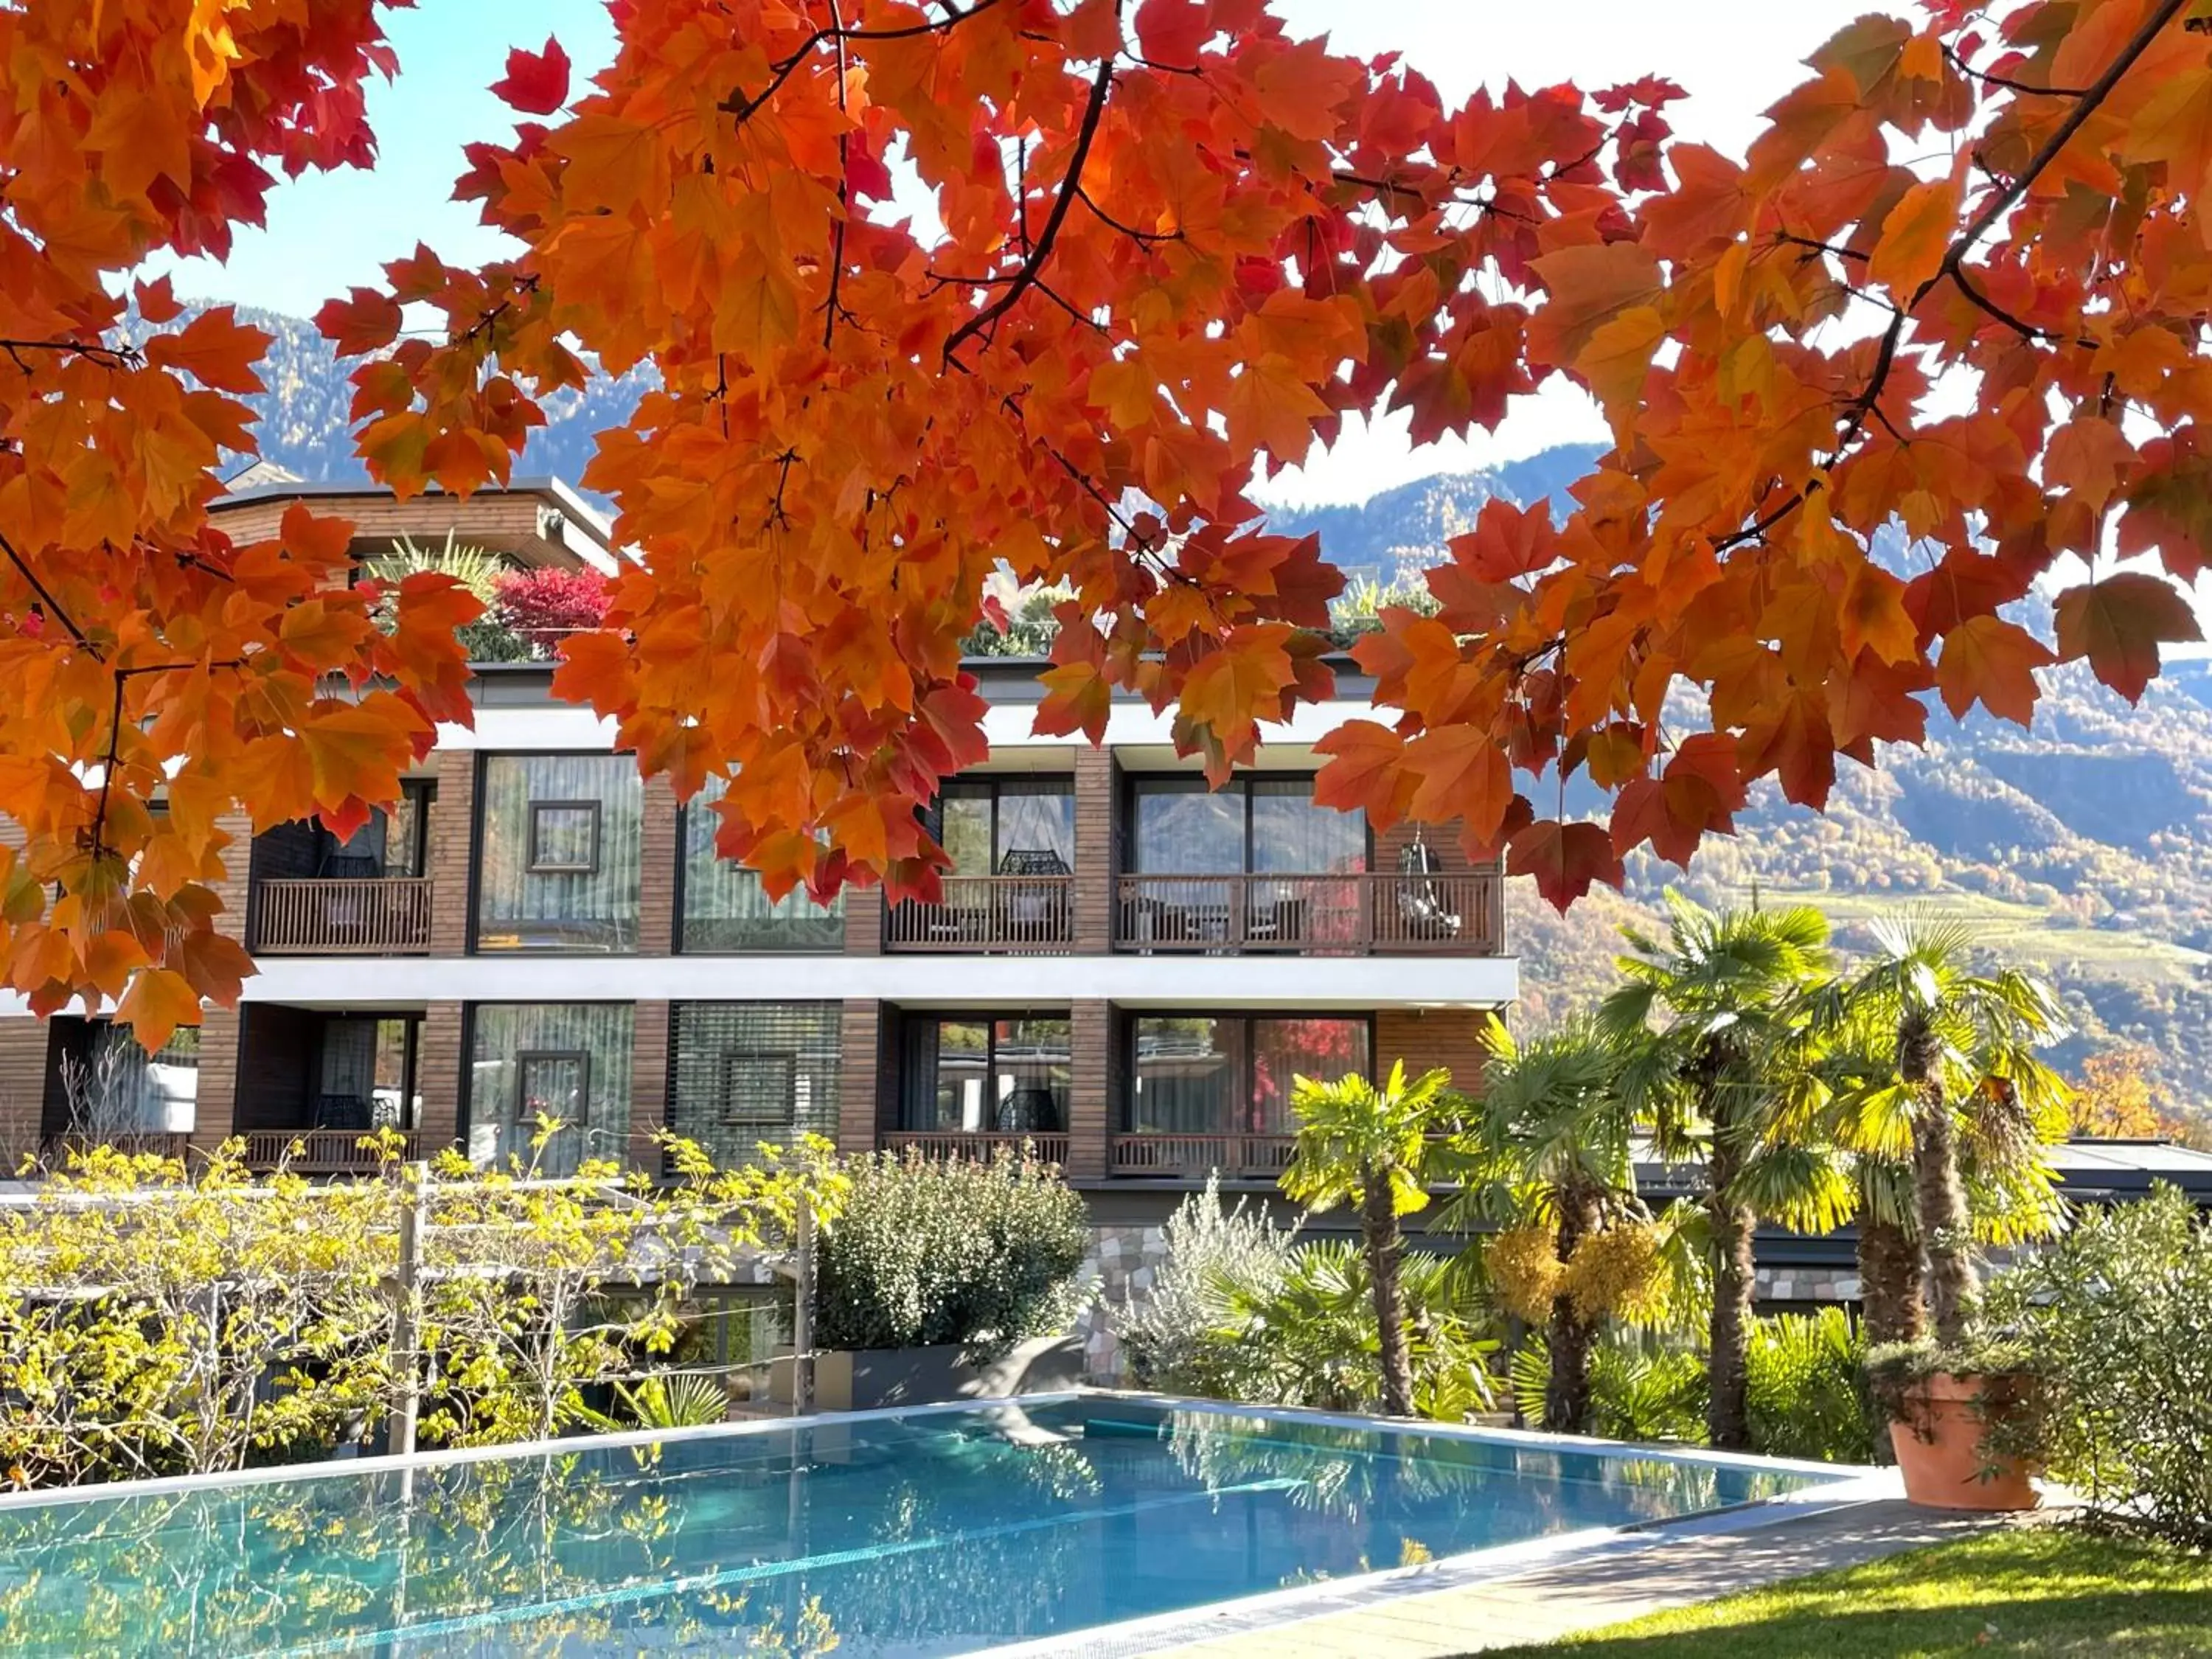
(328,232)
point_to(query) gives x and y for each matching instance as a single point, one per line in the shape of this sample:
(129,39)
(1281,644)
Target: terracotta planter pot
(1938,1449)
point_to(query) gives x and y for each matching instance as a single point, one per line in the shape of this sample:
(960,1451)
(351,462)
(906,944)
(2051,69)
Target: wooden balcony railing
(1460,914)
(54,1150)
(1015,915)
(318,1152)
(1046,1148)
(342,915)
(1195,1157)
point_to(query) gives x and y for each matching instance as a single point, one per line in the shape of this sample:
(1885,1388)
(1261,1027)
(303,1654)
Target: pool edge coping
(1276,1611)
(573,1446)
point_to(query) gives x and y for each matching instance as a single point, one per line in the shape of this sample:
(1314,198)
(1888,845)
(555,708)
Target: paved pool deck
(1624,1579)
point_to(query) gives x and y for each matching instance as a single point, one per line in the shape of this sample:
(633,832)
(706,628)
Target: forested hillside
(2085,846)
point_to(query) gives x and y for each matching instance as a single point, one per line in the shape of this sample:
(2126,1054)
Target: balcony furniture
(1415,910)
(1027,1111)
(342,915)
(349,1112)
(353,866)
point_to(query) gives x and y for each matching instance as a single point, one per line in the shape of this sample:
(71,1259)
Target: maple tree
(1051,283)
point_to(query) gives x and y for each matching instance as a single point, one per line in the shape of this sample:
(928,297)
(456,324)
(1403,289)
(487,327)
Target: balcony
(320,1152)
(1455,914)
(56,1150)
(1013,915)
(342,915)
(980,1146)
(1192,1158)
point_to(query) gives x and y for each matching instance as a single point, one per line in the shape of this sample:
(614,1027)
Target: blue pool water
(900,1536)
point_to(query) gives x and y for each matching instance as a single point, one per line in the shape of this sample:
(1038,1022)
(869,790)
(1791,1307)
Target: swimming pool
(903,1533)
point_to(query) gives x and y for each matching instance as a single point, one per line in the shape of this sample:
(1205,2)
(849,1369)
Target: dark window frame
(994,783)
(536,864)
(1125,1047)
(785,1060)
(1133,785)
(525,1058)
(989,1018)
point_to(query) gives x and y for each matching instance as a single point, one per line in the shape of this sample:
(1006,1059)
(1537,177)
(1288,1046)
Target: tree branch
(1093,112)
(46,600)
(2005,80)
(743,108)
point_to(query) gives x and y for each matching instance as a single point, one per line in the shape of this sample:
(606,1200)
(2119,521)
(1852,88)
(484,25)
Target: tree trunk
(1889,1282)
(1379,1223)
(1728,1360)
(1567,1399)
(1939,1195)
(1945,1227)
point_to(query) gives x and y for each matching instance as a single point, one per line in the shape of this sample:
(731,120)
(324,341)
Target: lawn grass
(2023,1590)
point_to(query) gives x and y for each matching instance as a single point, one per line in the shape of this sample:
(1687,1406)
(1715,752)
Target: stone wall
(1119,1271)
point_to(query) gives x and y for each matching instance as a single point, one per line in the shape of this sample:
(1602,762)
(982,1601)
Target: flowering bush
(542,606)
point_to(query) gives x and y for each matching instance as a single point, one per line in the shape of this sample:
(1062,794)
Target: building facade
(1126,968)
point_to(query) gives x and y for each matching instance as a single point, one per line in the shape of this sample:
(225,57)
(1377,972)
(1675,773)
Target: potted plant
(1949,1079)
(1962,1422)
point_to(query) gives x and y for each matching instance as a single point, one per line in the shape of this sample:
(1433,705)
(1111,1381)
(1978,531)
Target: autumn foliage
(1053,283)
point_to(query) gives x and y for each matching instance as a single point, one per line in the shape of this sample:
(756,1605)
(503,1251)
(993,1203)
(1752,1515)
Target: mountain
(1393,536)
(2084,846)
(304,429)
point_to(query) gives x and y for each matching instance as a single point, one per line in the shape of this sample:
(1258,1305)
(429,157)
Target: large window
(559,857)
(1232,1073)
(750,1071)
(725,908)
(110,1086)
(568,1061)
(985,1076)
(1007,826)
(1262,825)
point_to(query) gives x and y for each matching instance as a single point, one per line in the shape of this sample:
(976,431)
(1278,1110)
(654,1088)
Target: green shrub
(2118,1315)
(1175,1341)
(1807,1387)
(929,1252)
(1807,1391)
(1639,1390)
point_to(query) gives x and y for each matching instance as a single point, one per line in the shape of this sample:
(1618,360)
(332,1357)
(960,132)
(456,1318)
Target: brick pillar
(859,1109)
(215,1110)
(439,1066)
(864,921)
(235,890)
(1090,1105)
(648,1081)
(656,887)
(1428,1037)
(25,1042)
(1096,800)
(452,830)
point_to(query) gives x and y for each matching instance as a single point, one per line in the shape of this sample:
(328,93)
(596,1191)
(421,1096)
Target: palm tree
(1716,1082)
(1552,1141)
(1941,1075)
(1374,1147)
